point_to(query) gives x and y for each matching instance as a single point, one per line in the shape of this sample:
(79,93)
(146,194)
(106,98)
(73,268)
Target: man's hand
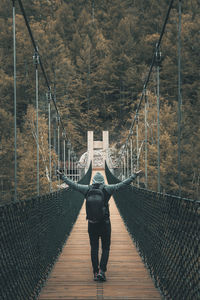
(59,173)
(139,173)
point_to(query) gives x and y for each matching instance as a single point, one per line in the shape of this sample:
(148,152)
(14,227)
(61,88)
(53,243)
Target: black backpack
(95,203)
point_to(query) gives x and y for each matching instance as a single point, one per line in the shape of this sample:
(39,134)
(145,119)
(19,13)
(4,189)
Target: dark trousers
(99,230)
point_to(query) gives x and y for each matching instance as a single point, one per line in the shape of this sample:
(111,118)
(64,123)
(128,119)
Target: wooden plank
(72,277)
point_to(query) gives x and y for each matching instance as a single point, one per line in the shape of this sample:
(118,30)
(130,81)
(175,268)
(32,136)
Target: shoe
(96,276)
(101,276)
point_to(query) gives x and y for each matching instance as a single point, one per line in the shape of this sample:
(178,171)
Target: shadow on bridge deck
(72,278)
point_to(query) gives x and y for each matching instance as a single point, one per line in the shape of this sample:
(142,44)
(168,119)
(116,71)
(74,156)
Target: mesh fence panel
(166,231)
(32,235)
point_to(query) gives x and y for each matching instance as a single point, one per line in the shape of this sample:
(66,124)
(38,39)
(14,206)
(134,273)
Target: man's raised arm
(82,188)
(111,188)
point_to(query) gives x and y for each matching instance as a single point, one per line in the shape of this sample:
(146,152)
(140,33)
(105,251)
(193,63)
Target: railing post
(15,103)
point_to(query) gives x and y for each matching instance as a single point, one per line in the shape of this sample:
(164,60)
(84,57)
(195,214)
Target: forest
(97,55)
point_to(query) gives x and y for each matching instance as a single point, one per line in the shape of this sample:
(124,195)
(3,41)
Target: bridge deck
(72,276)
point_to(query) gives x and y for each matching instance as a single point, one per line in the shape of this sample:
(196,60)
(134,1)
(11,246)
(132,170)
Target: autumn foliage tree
(96,55)
(27,157)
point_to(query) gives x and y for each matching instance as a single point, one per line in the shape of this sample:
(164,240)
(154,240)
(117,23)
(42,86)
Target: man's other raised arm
(111,188)
(82,188)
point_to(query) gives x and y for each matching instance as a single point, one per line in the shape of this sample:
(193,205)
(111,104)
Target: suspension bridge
(44,249)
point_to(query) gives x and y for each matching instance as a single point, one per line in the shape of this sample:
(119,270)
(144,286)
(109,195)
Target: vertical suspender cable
(131,154)
(137,146)
(75,167)
(145,120)
(68,146)
(69,162)
(72,165)
(124,166)
(15,102)
(49,129)
(55,138)
(55,120)
(179,100)
(93,11)
(158,111)
(64,155)
(127,164)
(74,160)
(88,88)
(64,159)
(59,145)
(36,62)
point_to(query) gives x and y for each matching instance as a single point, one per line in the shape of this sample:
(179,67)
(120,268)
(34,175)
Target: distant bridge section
(97,152)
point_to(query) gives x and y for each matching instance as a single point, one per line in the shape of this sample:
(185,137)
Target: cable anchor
(64,134)
(58,119)
(49,95)
(137,117)
(36,57)
(158,55)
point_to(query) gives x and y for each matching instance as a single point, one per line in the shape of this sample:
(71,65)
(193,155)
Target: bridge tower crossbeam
(97,150)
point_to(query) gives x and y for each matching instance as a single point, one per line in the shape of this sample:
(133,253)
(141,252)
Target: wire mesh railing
(165,230)
(32,235)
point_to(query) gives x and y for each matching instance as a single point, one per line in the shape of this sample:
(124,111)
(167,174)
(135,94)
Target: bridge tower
(97,150)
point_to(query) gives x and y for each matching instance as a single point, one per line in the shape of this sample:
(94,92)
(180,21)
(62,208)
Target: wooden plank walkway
(72,278)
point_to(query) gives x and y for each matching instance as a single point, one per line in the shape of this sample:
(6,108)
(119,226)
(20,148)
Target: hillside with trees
(97,55)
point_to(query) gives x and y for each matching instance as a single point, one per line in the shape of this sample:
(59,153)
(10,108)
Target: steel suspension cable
(49,129)
(149,74)
(53,97)
(41,65)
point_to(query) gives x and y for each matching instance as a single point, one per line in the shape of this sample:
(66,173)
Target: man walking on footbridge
(97,197)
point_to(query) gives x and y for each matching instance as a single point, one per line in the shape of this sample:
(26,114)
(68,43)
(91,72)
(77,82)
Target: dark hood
(98,178)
